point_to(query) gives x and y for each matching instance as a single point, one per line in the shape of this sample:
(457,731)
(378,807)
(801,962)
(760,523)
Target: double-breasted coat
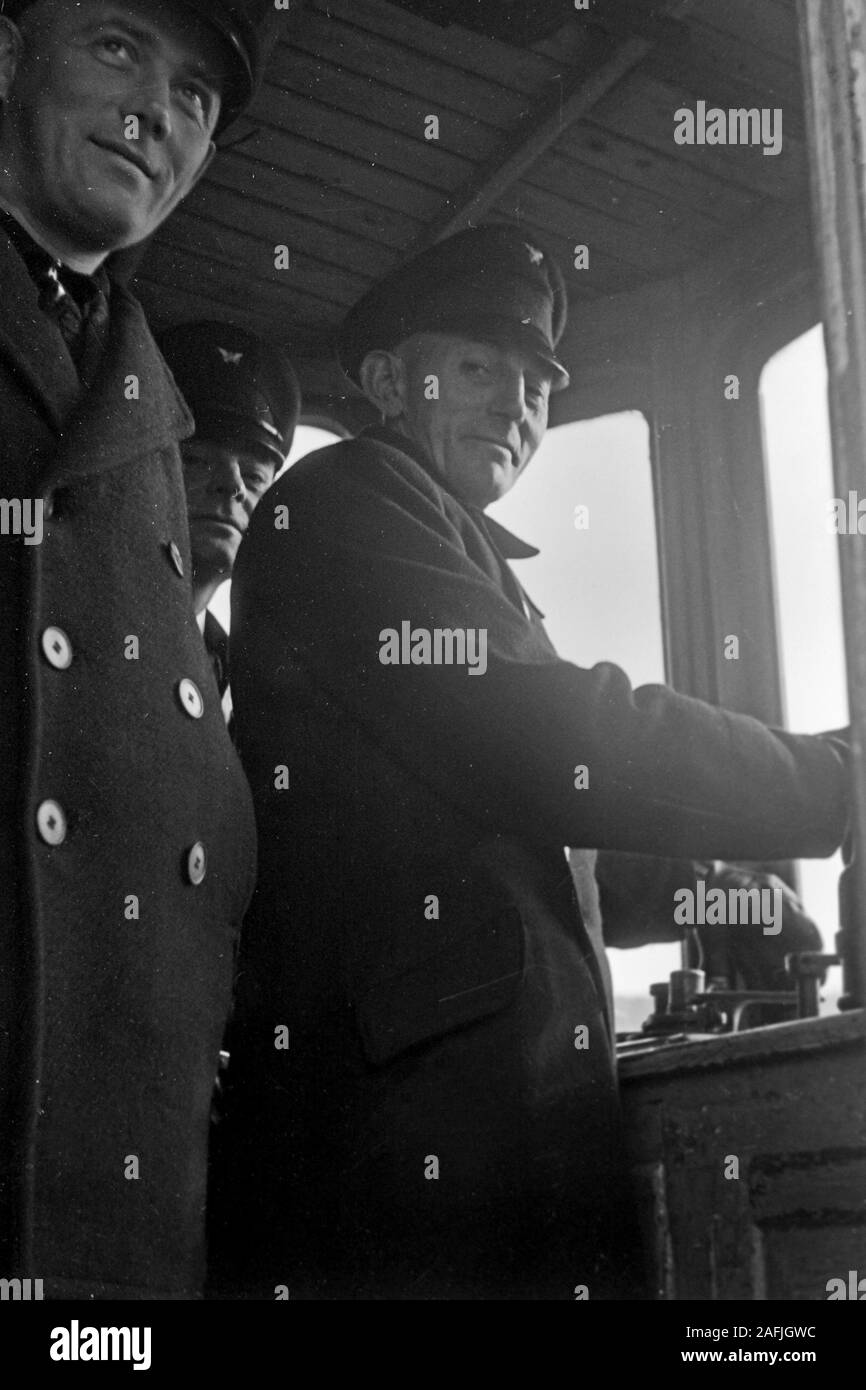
(423,1098)
(127,851)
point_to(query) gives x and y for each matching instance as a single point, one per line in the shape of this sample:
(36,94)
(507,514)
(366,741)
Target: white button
(190,697)
(176,557)
(54,503)
(57,648)
(51,823)
(196,864)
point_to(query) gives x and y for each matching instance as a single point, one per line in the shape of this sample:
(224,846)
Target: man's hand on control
(743,954)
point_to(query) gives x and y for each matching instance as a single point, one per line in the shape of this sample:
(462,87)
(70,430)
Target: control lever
(807,968)
(685,1005)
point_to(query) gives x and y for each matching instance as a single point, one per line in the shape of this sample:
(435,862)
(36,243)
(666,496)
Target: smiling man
(479,452)
(127,848)
(422,1099)
(109,121)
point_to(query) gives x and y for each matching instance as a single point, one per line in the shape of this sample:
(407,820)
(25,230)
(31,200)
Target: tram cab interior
(690,267)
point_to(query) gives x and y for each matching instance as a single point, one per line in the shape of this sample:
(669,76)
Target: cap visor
(224,428)
(505,333)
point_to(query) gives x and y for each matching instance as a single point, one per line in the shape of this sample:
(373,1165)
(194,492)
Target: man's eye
(476,367)
(197,100)
(255,479)
(194,95)
(115,47)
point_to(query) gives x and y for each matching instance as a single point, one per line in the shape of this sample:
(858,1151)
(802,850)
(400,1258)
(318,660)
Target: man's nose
(228,480)
(510,396)
(152,105)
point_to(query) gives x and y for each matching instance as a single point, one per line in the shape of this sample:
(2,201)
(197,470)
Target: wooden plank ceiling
(571,134)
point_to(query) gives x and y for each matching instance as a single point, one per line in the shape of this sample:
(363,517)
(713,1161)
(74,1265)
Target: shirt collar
(509,545)
(39,262)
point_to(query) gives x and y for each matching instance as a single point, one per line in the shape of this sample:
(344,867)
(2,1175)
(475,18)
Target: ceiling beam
(542,129)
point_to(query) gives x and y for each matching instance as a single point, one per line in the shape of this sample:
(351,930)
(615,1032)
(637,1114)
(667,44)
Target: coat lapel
(499,544)
(107,425)
(133,407)
(505,546)
(33,347)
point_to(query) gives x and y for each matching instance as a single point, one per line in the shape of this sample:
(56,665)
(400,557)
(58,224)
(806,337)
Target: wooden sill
(742,1049)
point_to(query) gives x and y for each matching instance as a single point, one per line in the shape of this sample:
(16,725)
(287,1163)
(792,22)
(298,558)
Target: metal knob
(685,984)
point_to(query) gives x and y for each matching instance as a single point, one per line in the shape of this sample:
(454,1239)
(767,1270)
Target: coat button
(57,648)
(190,698)
(53,505)
(51,823)
(175,556)
(196,864)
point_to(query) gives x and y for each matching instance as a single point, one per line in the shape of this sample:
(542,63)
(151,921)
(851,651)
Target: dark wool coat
(110,1022)
(439,1124)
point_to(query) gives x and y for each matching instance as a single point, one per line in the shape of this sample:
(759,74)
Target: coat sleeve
(636,896)
(371,545)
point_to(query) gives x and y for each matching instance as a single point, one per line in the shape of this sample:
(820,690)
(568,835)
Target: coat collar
(511,546)
(100,428)
(31,343)
(505,541)
(119,419)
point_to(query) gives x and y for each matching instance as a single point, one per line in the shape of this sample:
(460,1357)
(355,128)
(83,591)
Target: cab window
(586,501)
(793,395)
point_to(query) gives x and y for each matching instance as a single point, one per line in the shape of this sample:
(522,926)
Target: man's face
(224,483)
(490,416)
(66,161)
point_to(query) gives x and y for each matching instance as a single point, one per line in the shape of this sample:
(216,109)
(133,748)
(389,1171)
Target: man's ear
(384,382)
(10,50)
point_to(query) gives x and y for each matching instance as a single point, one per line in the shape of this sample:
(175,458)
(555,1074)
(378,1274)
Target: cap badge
(535,255)
(230,357)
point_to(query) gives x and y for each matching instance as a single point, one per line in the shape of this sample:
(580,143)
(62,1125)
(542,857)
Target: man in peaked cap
(246,30)
(423,1102)
(494,282)
(246,400)
(127,843)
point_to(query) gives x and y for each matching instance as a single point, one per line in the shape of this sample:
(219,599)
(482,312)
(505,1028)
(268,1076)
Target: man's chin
(111,224)
(214,554)
(495,479)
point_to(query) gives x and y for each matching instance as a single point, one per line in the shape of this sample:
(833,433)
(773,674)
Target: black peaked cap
(492,283)
(237,386)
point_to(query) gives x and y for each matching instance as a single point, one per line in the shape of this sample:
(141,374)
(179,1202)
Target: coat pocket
(470,976)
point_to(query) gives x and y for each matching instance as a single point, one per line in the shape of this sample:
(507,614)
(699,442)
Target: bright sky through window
(793,394)
(598,588)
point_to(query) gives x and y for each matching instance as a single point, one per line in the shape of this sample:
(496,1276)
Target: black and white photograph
(433,667)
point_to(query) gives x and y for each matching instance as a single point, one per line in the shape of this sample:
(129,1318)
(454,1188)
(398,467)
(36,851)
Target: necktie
(77,303)
(84,326)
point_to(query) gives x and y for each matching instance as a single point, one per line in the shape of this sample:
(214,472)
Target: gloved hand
(742,954)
